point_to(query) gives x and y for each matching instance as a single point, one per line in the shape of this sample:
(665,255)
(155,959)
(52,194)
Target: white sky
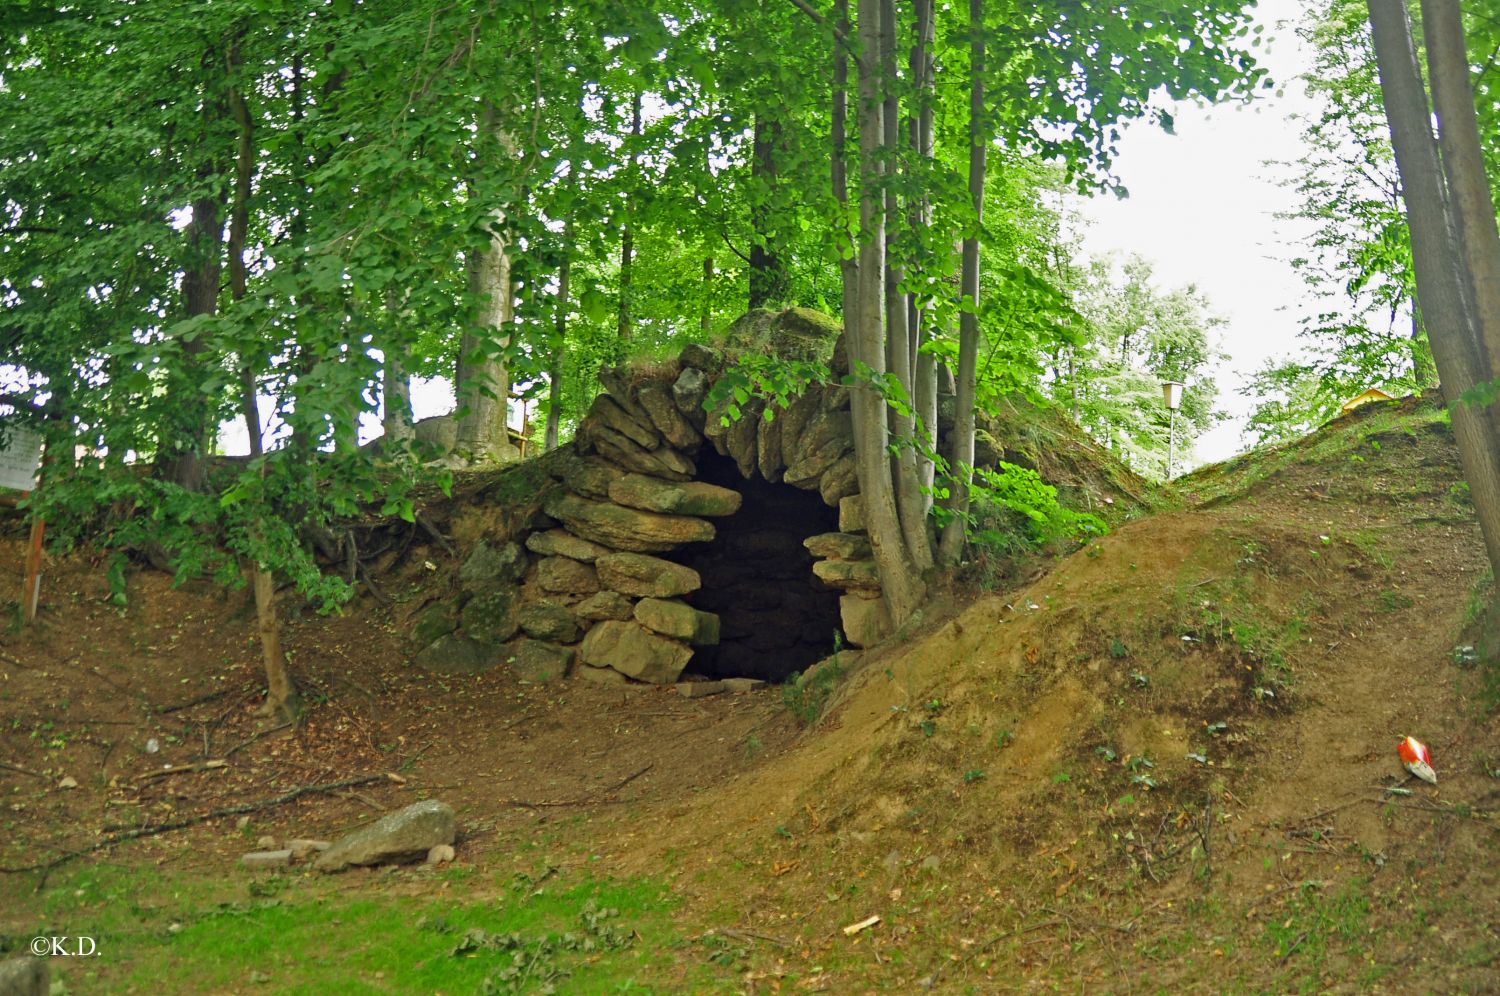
(1202,208)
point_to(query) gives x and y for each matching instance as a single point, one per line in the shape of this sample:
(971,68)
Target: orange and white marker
(1417,759)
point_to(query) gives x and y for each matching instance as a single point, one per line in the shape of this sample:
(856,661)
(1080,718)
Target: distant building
(1364,398)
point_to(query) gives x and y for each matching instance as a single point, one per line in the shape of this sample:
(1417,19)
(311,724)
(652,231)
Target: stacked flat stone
(593,584)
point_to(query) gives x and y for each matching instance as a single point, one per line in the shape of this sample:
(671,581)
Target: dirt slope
(1163,766)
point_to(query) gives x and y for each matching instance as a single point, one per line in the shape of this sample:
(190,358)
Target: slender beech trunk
(1447,308)
(560,343)
(282,701)
(627,233)
(924,365)
(770,284)
(186,436)
(961,460)
(910,499)
(839,167)
(395,378)
(901,583)
(705,308)
(483,382)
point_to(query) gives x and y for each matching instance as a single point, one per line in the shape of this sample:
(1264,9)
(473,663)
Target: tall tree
(1444,278)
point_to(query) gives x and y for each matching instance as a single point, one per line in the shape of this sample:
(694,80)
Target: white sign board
(20,458)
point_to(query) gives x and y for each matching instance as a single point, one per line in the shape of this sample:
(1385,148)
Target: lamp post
(1171,393)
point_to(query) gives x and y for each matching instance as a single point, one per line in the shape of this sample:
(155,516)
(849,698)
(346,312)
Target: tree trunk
(706,310)
(1441,286)
(961,460)
(839,168)
(901,583)
(239,224)
(395,384)
(1463,165)
(910,500)
(483,382)
(924,366)
(560,345)
(281,694)
(770,283)
(627,234)
(282,702)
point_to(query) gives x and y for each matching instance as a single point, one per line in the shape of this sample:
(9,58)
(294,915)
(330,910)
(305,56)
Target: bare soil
(1150,769)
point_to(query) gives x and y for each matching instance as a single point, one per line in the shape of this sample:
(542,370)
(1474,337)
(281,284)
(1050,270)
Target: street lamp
(1171,393)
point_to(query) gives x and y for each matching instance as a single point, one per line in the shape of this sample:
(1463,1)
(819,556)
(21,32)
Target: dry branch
(45,867)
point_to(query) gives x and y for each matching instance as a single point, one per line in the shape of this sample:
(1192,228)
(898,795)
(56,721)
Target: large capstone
(626,528)
(652,494)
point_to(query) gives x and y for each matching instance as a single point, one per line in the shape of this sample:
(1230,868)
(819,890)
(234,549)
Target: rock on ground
(405,835)
(25,976)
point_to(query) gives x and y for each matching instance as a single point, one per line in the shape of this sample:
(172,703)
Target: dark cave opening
(775,617)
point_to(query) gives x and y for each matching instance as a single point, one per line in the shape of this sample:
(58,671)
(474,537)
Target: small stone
(678,620)
(440,854)
(538,661)
(259,978)
(743,684)
(696,356)
(866,621)
(266,843)
(242,824)
(546,621)
(564,575)
(267,859)
(68,782)
(604,676)
(701,689)
(561,543)
(302,849)
(455,654)
(848,574)
(26,976)
(489,567)
(604,605)
(838,546)
(852,514)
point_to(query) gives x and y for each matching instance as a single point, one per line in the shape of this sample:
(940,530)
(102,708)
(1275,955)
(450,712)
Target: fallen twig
(751,935)
(187,821)
(179,769)
(582,800)
(23,771)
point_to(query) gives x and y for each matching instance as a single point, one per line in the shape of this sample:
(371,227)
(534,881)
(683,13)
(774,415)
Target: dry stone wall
(596,585)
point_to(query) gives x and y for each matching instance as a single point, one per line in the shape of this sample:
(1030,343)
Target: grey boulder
(405,835)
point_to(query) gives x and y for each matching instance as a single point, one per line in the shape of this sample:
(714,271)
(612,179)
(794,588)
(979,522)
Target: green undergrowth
(541,933)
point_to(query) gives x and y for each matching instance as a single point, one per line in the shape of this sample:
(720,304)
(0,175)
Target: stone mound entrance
(776,617)
(673,539)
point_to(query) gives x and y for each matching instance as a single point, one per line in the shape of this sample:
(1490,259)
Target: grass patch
(292,935)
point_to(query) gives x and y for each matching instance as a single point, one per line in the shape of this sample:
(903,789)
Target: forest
(238,238)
